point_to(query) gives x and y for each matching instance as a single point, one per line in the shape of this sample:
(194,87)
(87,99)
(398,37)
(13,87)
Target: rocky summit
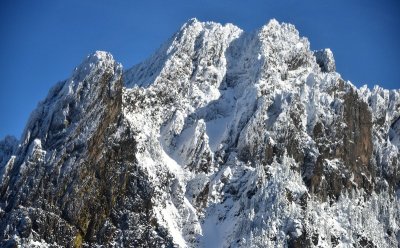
(223,138)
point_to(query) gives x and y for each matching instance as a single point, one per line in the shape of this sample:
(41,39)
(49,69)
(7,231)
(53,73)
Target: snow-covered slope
(223,138)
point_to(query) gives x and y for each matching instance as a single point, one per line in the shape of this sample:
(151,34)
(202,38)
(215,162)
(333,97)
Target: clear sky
(41,42)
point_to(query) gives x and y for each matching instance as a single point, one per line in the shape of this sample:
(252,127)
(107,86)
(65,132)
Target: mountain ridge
(221,138)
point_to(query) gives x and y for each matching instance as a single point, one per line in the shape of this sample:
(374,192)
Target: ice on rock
(254,114)
(222,138)
(325,60)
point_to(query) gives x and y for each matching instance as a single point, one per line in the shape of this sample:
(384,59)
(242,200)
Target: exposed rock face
(221,139)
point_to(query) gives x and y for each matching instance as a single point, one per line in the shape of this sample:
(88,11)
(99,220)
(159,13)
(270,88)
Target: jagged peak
(194,26)
(98,73)
(282,35)
(97,60)
(101,55)
(190,22)
(192,33)
(98,57)
(274,26)
(207,24)
(325,60)
(272,23)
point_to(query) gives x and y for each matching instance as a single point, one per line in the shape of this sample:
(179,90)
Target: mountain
(223,138)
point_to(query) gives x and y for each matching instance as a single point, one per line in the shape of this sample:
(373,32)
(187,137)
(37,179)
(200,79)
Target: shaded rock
(325,60)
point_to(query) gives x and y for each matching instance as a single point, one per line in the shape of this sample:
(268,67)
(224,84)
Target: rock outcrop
(325,60)
(223,138)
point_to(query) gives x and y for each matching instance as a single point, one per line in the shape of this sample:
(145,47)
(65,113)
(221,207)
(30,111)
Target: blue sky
(42,41)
